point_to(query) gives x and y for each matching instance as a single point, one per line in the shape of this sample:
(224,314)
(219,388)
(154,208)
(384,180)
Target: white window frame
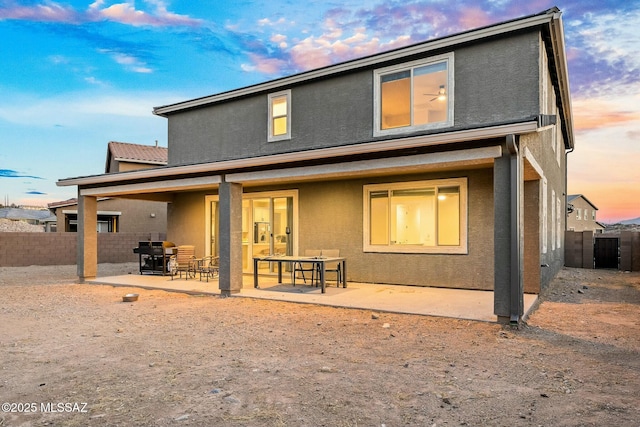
(270,136)
(553,220)
(545,215)
(559,224)
(449,59)
(464,219)
(557,140)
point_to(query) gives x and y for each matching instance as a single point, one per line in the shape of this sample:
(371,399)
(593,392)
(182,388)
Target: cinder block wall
(24,249)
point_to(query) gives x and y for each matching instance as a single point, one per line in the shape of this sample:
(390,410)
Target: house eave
(560,58)
(140,161)
(302,156)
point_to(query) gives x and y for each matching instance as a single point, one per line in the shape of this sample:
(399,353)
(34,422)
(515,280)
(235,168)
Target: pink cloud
(265,65)
(311,53)
(126,13)
(589,114)
(49,12)
(330,48)
(473,17)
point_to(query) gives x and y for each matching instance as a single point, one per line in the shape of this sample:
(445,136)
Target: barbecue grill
(154,256)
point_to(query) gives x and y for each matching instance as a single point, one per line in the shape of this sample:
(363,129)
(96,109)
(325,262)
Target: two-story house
(582,214)
(438,164)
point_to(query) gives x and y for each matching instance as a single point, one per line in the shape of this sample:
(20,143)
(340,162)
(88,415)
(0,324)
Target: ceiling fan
(440,96)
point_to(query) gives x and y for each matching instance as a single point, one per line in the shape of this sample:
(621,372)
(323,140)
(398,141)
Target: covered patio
(419,300)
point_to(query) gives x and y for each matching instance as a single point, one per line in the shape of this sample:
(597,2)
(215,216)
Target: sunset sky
(77,74)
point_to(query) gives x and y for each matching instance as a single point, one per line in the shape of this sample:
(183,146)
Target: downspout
(566,185)
(514,220)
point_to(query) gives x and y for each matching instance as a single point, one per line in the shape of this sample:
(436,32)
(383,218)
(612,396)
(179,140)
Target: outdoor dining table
(318,261)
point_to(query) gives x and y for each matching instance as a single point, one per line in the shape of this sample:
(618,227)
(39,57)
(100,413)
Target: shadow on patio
(454,303)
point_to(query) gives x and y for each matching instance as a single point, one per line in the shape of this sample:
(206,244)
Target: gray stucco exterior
(496,82)
(508,141)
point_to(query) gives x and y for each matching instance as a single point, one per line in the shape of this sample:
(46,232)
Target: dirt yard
(76,355)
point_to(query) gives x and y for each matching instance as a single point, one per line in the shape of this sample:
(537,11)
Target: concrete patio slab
(442,302)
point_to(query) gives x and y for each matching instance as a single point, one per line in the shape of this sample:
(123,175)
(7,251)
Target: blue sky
(76,74)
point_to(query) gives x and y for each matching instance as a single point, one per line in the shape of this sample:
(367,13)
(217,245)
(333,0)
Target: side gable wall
(496,82)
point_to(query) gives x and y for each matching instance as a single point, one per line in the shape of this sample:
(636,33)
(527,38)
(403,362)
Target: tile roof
(69,202)
(572,197)
(62,203)
(138,153)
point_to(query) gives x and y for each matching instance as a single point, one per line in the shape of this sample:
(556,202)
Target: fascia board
(474,156)
(557,41)
(75,212)
(154,187)
(324,153)
(348,150)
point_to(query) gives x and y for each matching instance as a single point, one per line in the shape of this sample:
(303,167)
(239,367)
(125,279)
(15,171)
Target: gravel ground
(7,225)
(171,359)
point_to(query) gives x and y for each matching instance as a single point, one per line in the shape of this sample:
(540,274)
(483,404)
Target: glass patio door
(268,223)
(268,227)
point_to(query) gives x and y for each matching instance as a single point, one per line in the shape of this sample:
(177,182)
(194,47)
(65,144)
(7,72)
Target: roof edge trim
(317,154)
(440,43)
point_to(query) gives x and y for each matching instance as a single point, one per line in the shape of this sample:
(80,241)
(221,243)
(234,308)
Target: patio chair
(208,266)
(332,268)
(301,267)
(183,261)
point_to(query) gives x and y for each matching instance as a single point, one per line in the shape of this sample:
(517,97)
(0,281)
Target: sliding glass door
(268,226)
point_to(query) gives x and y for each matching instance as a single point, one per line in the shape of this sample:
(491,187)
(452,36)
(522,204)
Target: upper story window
(414,96)
(279,116)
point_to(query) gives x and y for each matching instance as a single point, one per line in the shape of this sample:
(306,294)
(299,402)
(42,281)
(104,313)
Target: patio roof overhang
(162,190)
(469,158)
(160,183)
(156,188)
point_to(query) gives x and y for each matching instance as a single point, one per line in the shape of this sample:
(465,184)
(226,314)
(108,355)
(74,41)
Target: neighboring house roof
(18,214)
(136,153)
(51,218)
(68,202)
(63,203)
(553,35)
(572,197)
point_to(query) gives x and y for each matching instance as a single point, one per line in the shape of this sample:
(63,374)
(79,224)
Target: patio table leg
(322,275)
(279,271)
(255,273)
